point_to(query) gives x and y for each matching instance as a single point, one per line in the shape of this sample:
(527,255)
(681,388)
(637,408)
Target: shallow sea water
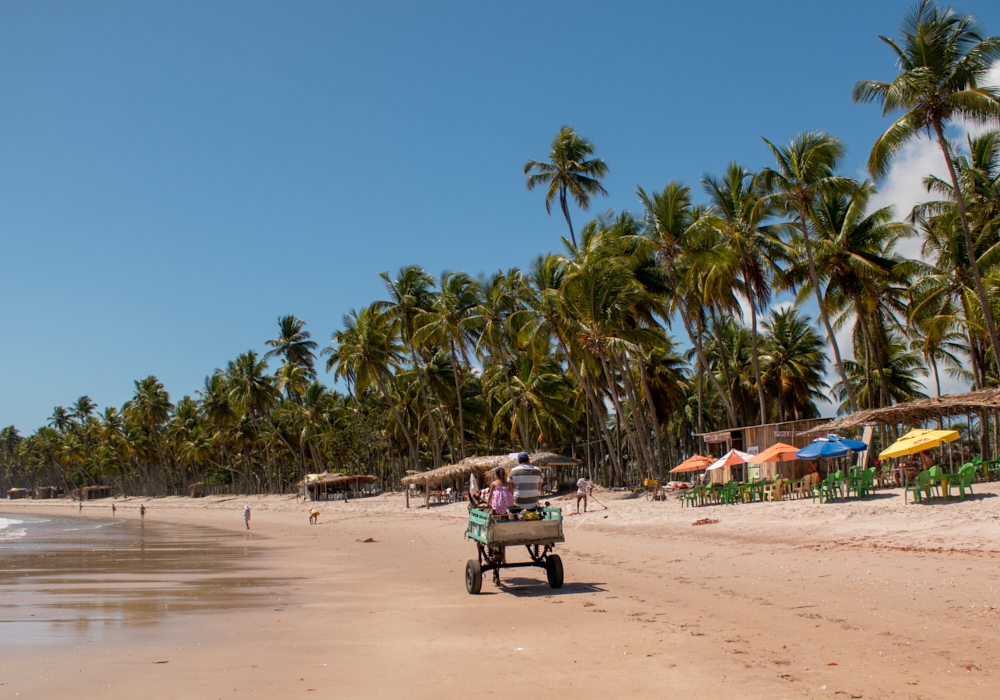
(64,578)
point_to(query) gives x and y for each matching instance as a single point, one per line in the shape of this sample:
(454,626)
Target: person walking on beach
(583,487)
(113,509)
(142,512)
(81,506)
(246,515)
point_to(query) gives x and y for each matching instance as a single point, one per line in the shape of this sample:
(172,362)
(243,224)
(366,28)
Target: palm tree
(749,252)
(669,220)
(410,294)
(804,174)
(82,409)
(902,371)
(794,364)
(294,345)
(568,171)
(863,277)
(365,353)
(61,419)
(943,60)
(447,324)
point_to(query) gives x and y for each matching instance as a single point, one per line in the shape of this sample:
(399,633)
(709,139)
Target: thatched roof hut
(919,411)
(90,493)
(316,486)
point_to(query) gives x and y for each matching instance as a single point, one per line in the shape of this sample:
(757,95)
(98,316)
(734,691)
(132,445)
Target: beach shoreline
(869,599)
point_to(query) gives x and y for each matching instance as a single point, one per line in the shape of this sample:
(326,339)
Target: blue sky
(174,177)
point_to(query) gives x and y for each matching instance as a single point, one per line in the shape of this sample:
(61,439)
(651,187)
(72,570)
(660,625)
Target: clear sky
(175,176)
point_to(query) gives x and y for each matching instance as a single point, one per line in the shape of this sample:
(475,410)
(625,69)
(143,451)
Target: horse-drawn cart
(493,537)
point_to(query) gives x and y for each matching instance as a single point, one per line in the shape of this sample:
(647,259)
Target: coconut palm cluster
(648,327)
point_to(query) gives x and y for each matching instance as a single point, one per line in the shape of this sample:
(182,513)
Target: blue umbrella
(829,447)
(821,448)
(853,445)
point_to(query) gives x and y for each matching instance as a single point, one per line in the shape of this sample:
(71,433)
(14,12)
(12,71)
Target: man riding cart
(510,519)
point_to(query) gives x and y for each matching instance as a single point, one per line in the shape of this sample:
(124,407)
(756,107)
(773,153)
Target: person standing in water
(142,512)
(246,515)
(81,506)
(113,509)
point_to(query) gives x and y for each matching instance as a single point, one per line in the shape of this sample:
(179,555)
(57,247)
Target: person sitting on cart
(500,496)
(526,479)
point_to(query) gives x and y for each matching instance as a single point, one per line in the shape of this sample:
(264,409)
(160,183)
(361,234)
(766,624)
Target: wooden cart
(493,537)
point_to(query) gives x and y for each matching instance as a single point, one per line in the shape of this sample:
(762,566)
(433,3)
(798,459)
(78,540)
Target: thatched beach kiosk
(91,493)
(327,487)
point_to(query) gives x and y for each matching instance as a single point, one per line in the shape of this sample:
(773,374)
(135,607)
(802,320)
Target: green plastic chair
(864,483)
(968,473)
(730,493)
(826,489)
(934,480)
(690,497)
(918,488)
(839,482)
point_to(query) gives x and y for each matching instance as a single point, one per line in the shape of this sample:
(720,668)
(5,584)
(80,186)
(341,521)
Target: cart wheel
(473,577)
(554,570)
(650,493)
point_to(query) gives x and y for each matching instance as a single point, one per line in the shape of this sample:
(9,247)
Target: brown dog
(314,517)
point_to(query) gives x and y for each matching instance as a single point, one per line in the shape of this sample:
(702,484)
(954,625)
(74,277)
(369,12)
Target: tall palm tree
(902,370)
(294,345)
(447,324)
(411,293)
(82,409)
(863,277)
(804,174)
(794,364)
(365,352)
(571,171)
(943,60)
(750,253)
(669,220)
(498,300)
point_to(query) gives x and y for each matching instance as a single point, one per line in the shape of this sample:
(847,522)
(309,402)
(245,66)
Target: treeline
(652,325)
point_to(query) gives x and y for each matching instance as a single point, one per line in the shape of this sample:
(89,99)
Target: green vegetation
(576,353)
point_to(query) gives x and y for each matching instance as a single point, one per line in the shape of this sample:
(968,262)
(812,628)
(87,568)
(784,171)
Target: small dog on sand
(314,517)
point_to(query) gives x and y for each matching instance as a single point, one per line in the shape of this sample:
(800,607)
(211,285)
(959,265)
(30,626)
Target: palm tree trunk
(700,352)
(521,427)
(638,414)
(756,362)
(565,211)
(414,455)
(657,433)
(594,403)
(619,411)
(427,406)
(458,398)
(848,389)
(970,249)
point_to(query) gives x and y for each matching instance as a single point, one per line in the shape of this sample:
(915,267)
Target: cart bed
(484,528)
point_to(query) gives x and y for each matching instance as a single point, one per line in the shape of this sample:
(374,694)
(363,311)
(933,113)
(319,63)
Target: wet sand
(870,599)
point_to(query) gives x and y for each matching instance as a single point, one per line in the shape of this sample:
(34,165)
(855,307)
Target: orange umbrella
(779,452)
(692,464)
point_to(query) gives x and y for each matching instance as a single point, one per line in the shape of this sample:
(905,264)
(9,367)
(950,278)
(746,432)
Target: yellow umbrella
(918,441)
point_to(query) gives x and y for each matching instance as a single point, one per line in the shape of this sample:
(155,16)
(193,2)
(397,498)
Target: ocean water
(63,578)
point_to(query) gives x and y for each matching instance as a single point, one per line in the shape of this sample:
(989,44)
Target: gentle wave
(7,522)
(7,534)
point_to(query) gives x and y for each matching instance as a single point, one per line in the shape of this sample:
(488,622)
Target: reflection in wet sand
(68,577)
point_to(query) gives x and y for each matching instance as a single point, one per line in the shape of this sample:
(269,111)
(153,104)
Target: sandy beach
(868,599)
